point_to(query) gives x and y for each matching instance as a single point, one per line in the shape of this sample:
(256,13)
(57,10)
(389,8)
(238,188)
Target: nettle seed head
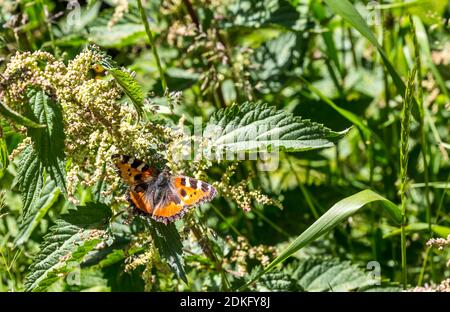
(96,123)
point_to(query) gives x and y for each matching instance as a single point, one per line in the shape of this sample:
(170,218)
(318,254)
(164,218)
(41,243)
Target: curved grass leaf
(251,127)
(48,142)
(31,219)
(330,219)
(346,10)
(354,119)
(168,242)
(67,242)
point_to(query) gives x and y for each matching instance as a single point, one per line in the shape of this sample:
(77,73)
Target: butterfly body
(163,196)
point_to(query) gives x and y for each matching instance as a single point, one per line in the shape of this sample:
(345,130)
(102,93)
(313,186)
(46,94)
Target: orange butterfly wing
(138,199)
(181,193)
(132,170)
(192,191)
(169,211)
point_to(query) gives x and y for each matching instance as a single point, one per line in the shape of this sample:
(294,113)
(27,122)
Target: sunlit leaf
(66,244)
(333,217)
(250,127)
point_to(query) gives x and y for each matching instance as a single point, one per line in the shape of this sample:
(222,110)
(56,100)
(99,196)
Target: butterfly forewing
(193,191)
(132,170)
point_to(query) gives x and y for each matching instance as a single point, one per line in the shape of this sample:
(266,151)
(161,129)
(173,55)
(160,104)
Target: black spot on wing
(183,181)
(183,192)
(140,187)
(193,183)
(138,177)
(205,187)
(135,163)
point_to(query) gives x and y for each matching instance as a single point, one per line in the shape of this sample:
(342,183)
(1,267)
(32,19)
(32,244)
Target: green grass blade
(346,10)
(343,112)
(333,217)
(440,230)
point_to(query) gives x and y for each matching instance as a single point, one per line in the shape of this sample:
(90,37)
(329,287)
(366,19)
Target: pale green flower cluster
(239,192)
(241,252)
(96,123)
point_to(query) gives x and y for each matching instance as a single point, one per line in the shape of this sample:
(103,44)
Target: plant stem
(152,44)
(304,191)
(404,144)
(424,265)
(423,141)
(204,243)
(49,27)
(220,214)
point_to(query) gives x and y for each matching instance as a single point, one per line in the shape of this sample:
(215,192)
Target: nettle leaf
(257,13)
(47,198)
(30,178)
(48,142)
(124,79)
(130,86)
(168,242)
(66,244)
(254,127)
(316,274)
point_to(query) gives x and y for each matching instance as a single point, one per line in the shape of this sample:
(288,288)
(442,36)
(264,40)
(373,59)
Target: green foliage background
(358,92)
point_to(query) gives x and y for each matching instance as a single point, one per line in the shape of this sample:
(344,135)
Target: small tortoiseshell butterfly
(158,193)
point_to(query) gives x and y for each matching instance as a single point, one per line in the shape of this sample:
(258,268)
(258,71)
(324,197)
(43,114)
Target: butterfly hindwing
(139,200)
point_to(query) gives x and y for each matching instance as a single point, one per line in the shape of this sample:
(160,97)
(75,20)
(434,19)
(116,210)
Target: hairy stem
(152,44)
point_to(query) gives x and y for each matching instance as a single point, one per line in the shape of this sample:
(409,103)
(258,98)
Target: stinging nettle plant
(72,123)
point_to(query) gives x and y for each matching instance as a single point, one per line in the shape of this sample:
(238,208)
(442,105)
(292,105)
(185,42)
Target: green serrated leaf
(48,142)
(131,88)
(325,274)
(30,178)
(254,127)
(31,219)
(67,242)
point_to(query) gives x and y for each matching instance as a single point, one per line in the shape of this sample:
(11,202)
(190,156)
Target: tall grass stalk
(423,142)
(404,144)
(152,43)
